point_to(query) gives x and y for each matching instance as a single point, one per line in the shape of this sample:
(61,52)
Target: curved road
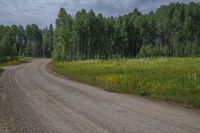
(45,103)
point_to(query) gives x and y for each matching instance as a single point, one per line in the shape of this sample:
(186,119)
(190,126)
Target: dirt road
(42,102)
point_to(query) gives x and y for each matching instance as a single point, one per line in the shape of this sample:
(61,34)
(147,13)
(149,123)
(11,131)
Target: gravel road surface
(42,102)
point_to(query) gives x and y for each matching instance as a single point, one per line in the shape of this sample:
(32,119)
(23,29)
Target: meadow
(169,79)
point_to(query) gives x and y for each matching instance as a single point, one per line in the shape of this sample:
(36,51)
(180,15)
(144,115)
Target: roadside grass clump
(8,61)
(23,59)
(15,61)
(168,79)
(1,71)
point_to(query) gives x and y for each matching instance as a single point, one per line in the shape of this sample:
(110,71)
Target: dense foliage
(31,41)
(172,30)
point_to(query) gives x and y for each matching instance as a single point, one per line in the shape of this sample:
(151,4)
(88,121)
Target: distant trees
(7,48)
(31,41)
(172,30)
(178,28)
(80,34)
(48,41)
(7,43)
(63,36)
(34,41)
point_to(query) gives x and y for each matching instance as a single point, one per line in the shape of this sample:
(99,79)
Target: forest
(170,31)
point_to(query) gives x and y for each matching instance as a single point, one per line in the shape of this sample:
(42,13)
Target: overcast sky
(44,12)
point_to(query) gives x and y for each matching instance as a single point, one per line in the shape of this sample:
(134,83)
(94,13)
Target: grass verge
(168,79)
(1,71)
(17,61)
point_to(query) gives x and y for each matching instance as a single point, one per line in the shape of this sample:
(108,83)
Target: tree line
(29,41)
(172,30)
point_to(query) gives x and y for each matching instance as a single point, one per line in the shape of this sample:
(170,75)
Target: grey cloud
(44,12)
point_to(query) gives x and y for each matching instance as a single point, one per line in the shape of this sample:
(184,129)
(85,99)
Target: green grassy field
(168,79)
